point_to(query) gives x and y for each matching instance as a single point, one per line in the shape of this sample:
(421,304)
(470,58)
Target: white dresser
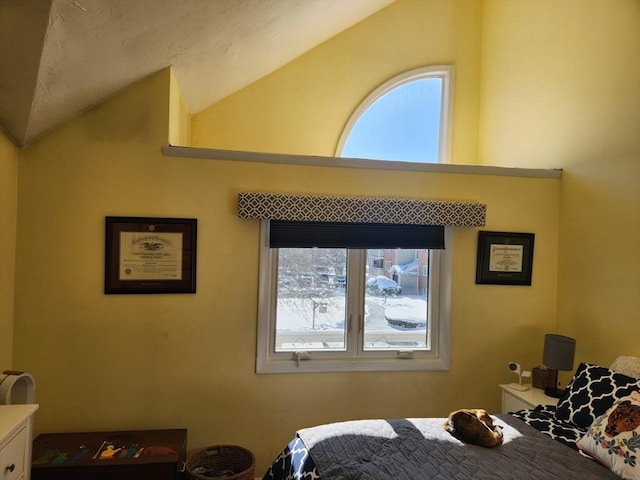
(16,431)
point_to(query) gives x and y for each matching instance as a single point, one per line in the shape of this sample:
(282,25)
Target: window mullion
(356,275)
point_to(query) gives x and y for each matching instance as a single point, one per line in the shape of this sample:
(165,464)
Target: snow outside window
(327,309)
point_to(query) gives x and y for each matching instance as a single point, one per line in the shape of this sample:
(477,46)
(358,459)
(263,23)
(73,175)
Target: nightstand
(514,400)
(15,441)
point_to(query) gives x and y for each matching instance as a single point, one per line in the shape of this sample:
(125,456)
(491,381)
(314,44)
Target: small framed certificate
(504,258)
(150,255)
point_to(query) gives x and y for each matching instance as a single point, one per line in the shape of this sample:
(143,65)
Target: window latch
(405,353)
(297,356)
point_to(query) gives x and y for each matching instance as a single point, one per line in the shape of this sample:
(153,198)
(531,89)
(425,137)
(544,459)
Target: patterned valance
(319,208)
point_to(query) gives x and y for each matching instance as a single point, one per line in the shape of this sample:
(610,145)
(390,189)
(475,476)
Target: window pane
(311,307)
(403,124)
(396,300)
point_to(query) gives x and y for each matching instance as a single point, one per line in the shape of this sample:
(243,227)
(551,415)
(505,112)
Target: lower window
(345,309)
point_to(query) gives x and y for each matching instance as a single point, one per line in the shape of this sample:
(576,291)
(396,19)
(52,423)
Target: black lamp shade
(558,351)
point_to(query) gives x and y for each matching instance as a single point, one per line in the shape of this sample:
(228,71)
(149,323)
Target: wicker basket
(221,461)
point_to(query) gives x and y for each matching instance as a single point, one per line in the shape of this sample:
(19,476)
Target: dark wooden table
(125,455)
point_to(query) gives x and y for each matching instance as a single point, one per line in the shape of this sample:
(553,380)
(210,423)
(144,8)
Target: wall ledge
(321,161)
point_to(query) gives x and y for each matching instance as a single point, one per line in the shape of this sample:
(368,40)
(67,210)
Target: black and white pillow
(543,419)
(591,393)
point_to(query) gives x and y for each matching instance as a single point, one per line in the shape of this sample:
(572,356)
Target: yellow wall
(159,361)
(309,102)
(179,116)
(8,210)
(561,88)
(135,361)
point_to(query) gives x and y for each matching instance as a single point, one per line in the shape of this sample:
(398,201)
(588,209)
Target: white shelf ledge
(323,161)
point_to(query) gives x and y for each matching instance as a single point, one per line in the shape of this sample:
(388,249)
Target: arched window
(405,119)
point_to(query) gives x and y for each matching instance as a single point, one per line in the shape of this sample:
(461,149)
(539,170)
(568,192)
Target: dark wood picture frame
(504,258)
(148,255)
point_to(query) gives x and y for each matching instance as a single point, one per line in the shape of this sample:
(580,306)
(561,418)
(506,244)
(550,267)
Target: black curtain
(293,234)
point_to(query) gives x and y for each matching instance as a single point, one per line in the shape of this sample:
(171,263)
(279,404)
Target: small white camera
(515,368)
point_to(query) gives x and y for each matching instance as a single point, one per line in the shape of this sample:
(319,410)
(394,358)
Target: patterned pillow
(614,438)
(543,419)
(591,393)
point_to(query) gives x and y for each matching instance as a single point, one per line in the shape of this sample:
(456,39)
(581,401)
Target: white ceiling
(60,57)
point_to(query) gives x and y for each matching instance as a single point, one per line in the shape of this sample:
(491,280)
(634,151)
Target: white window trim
(446,72)
(438,358)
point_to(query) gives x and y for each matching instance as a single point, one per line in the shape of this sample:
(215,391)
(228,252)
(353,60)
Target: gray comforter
(416,449)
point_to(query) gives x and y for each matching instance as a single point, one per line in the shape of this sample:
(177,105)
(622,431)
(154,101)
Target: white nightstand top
(12,416)
(532,396)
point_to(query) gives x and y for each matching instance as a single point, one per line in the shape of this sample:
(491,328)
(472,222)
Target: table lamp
(558,355)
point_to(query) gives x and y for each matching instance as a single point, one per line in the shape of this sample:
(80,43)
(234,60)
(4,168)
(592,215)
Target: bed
(583,437)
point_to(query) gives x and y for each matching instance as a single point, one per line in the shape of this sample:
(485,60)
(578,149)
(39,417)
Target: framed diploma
(504,258)
(150,255)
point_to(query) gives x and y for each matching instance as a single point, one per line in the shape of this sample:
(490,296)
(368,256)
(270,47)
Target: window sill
(355,365)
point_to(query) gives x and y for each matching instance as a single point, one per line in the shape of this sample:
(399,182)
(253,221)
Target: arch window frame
(444,72)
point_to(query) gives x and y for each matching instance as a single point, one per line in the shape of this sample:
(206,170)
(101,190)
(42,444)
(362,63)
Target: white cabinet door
(12,457)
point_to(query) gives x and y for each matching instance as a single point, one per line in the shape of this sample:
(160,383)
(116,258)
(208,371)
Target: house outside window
(329,313)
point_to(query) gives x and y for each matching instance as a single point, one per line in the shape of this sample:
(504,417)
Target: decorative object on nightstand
(515,368)
(17,388)
(540,378)
(558,355)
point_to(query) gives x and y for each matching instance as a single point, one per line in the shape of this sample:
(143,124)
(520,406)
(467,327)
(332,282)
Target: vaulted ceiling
(60,57)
